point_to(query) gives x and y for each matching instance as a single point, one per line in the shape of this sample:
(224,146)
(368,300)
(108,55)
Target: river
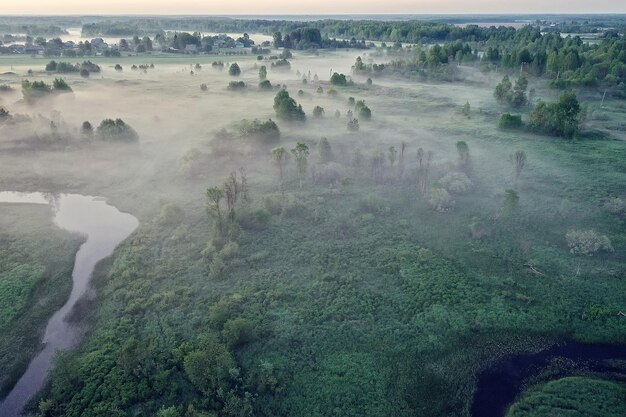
(104,227)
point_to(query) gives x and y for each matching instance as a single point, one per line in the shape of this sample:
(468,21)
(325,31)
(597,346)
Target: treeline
(32,29)
(567,61)
(412,31)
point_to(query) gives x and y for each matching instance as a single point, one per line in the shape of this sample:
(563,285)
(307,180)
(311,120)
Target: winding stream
(105,227)
(500,384)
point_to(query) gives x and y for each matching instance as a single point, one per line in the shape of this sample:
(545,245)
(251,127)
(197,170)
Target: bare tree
(518,159)
(280,156)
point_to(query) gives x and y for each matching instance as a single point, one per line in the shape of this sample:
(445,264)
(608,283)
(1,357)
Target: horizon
(322,7)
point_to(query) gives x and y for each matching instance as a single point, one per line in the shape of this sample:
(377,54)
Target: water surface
(104,227)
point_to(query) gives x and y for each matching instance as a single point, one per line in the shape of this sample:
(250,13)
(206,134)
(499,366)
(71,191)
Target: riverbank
(36,259)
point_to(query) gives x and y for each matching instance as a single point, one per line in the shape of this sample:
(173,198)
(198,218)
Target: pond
(501,383)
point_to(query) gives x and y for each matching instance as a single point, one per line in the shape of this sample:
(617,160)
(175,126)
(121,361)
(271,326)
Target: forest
(361,230)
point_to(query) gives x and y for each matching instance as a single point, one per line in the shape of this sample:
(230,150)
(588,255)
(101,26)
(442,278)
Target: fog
(385,263)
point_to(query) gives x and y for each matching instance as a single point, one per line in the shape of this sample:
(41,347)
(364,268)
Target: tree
(208,366)
(301,155)
(234,70)
(353,125)
(503,90)
(518,160)
(86,130)
(263,73)
(116,130)
(463,154)
(118,68)
(325,150)
(559,119)
(362,111)
(466,109)
(318,111)
(215,196)
(393,154)
(510,203)
(280,157)
(338,79)
(286,107)
(232,189)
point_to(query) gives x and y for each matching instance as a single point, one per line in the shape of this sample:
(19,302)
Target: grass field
(348,297)
(35,279)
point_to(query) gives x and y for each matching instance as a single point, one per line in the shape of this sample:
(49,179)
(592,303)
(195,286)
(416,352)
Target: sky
(221,7)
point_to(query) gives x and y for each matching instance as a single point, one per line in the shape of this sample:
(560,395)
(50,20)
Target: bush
(171,214)
(362,111)
(116,130)
(456,183)
(238,332)
(236,85)
(616,206)
(286,107)
(234,70)
(440,200)
(267,132)
(265,85)
(587,242)
(510,121)
(338,79)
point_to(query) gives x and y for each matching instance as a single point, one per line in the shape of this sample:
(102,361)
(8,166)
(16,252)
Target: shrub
(204,87)
(267,131)
(456,183)
(510,121)
(118,68)
(265,85)
(286,107)
(362,111)
(616,206)
(234,70)
(171,214)
(587,242)
(59,84)
(353,125)
(338,79)
(440,200)
(236,85)
(318,111)
(116,130)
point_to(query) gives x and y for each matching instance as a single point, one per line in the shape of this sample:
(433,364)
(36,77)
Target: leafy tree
(234,70)
(353,125)
(466,109)
(338,79)
(263,73)
(510,121)
(362,111)
(301,155)
(318,111)
(118,68)
(511,202)
(325,150)
(559,119)
(208,366)
(265,85)
(267,132)
(86,129)
(503,90)
(286,107)
(59,84)
(463,154)
(236,86)
(116,130)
